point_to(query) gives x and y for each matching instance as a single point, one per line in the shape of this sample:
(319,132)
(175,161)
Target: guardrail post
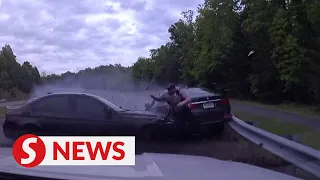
(229,134)
(291,169)
(256,150)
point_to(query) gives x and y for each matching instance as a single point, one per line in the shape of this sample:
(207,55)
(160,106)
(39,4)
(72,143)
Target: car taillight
(225,101)
(192,106)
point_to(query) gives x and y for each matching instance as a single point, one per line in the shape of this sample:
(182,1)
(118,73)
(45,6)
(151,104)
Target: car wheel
(218,129)
(30,129)
(214,131)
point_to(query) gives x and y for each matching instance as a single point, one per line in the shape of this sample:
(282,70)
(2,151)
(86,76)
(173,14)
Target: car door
(53,114)
(92,115)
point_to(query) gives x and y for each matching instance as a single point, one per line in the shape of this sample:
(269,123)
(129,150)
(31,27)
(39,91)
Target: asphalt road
(283,116)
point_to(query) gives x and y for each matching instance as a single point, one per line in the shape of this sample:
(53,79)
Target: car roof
(85,94)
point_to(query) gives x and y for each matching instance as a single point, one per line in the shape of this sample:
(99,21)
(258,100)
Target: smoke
(117,87)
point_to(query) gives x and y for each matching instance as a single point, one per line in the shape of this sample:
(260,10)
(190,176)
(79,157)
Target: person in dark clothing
(178,102)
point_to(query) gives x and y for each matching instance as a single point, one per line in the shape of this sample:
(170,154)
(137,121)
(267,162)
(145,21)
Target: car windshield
(114,103)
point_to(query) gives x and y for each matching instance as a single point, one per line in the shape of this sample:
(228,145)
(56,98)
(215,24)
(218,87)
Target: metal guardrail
(301,156)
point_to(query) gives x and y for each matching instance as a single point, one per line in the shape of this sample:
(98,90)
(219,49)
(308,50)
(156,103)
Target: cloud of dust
(112,86)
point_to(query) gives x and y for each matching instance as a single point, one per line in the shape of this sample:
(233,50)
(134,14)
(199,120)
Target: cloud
(59,35)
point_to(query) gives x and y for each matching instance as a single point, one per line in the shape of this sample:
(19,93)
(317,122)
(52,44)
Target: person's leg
(180,124)
(187,123)
(194,125)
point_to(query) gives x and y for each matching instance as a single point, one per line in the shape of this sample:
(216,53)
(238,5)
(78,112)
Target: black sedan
(79,114)
(210,109)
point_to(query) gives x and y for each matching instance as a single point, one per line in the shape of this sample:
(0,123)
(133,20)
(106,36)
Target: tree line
(19,80)
(267,50)
(16,80)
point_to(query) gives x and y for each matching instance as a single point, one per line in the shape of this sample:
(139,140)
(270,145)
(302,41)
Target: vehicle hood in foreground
(149,166)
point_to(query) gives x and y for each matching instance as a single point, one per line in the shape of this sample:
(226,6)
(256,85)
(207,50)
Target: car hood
(148,166)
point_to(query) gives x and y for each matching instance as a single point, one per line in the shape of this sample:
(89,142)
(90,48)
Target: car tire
(30,129)
(216,130)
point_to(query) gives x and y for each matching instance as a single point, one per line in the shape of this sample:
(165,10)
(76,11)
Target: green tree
(262,49)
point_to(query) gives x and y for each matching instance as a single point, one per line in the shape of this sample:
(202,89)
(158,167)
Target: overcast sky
(69,35)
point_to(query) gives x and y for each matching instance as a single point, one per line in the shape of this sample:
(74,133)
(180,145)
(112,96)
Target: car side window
(90,107)
(52,104)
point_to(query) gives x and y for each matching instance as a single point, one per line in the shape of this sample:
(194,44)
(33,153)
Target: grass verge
(303,110)
(308,136)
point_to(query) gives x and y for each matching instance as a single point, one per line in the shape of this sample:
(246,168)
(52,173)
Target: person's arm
(148,106)
(152,103)
(185,97)
(162,97)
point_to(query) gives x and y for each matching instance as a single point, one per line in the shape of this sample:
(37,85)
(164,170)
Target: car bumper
(212,123)
(213,118)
